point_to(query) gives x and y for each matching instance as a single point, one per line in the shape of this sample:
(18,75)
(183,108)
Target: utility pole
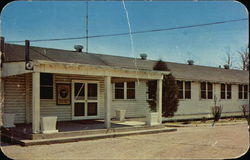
(87,17)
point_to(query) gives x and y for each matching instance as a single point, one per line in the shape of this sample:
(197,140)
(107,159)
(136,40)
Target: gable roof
(180,71)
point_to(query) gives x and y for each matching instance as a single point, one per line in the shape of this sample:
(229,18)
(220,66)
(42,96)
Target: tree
(244,59)
(170,99)
(228,60)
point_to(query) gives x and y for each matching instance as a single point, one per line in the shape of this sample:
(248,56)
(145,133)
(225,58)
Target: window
(119,90)
(243,91)
(151,89)
(226,91)
(209,90)
(130,90)
(125,90)
(229,91)
(184,88)
(46,86)
(222,91)
(203,90)
(188,90)
(206,90)
(240,91)
(180,88)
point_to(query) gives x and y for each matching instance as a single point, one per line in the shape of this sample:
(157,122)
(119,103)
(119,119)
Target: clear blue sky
(206,45)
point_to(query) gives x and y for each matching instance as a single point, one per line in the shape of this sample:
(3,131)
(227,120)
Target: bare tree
(244,59)
(228,60)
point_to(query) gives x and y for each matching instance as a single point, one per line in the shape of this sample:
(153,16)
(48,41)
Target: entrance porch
(75,74)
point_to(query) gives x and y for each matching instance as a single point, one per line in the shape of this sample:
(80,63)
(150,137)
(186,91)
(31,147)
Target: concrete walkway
(218,142)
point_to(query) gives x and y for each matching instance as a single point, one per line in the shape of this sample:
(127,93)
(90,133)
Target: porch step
(92,137)
(91,132)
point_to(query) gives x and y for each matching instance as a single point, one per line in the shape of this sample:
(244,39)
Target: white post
(36,102)
(159,100)
(107,101)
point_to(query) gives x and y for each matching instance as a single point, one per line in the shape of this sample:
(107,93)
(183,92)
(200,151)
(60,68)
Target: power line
(137,32)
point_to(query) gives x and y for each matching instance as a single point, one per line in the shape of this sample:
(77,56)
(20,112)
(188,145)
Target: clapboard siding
(134,108)
(64,112)
(14,97)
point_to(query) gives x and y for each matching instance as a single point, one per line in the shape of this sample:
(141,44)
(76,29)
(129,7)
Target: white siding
(64,112)
(134,108)
(201,107)
(14,97)
(15,100)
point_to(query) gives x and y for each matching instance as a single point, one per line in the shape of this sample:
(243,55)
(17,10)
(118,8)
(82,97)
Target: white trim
(95,70)
(14,68)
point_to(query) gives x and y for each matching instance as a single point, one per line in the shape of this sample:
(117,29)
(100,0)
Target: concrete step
(91,137)
(91,132)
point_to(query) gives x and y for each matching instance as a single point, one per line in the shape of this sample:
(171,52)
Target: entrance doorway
(85,99)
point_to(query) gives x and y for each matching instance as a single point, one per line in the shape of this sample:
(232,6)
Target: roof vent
(78,48)
(226,66)
(190,62)
(143,56)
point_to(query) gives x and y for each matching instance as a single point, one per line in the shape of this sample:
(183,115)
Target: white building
(76,85)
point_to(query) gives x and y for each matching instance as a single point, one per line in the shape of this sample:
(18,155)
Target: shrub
(244,109)
(216,111)
(170,99)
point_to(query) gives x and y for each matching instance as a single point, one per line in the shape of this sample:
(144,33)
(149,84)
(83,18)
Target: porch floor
(70,131)
(77,125)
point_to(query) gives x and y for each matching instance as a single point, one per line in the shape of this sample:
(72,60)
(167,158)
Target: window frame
(125,91)
(119,88)
(226,91)
(183,90)
(240,91)
(130,88)
(222,91)
(245,92)
(203,90)
(206,91)
(188,90)
(46,86)
(180,90)
(229,91)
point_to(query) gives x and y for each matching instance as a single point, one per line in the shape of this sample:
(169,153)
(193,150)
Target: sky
(206,45)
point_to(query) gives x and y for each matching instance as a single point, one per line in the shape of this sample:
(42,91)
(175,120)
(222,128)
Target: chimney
(190,62)
(2,51)
(27,51)
(226,66)
(78,48)
(143,56)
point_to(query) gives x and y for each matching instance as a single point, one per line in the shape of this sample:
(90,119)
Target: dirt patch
(206,122)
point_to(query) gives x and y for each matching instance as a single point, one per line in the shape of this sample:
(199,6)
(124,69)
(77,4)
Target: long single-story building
(73,85)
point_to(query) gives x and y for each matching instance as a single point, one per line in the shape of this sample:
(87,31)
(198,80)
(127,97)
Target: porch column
(159,100)
(36,102)
(107,101)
